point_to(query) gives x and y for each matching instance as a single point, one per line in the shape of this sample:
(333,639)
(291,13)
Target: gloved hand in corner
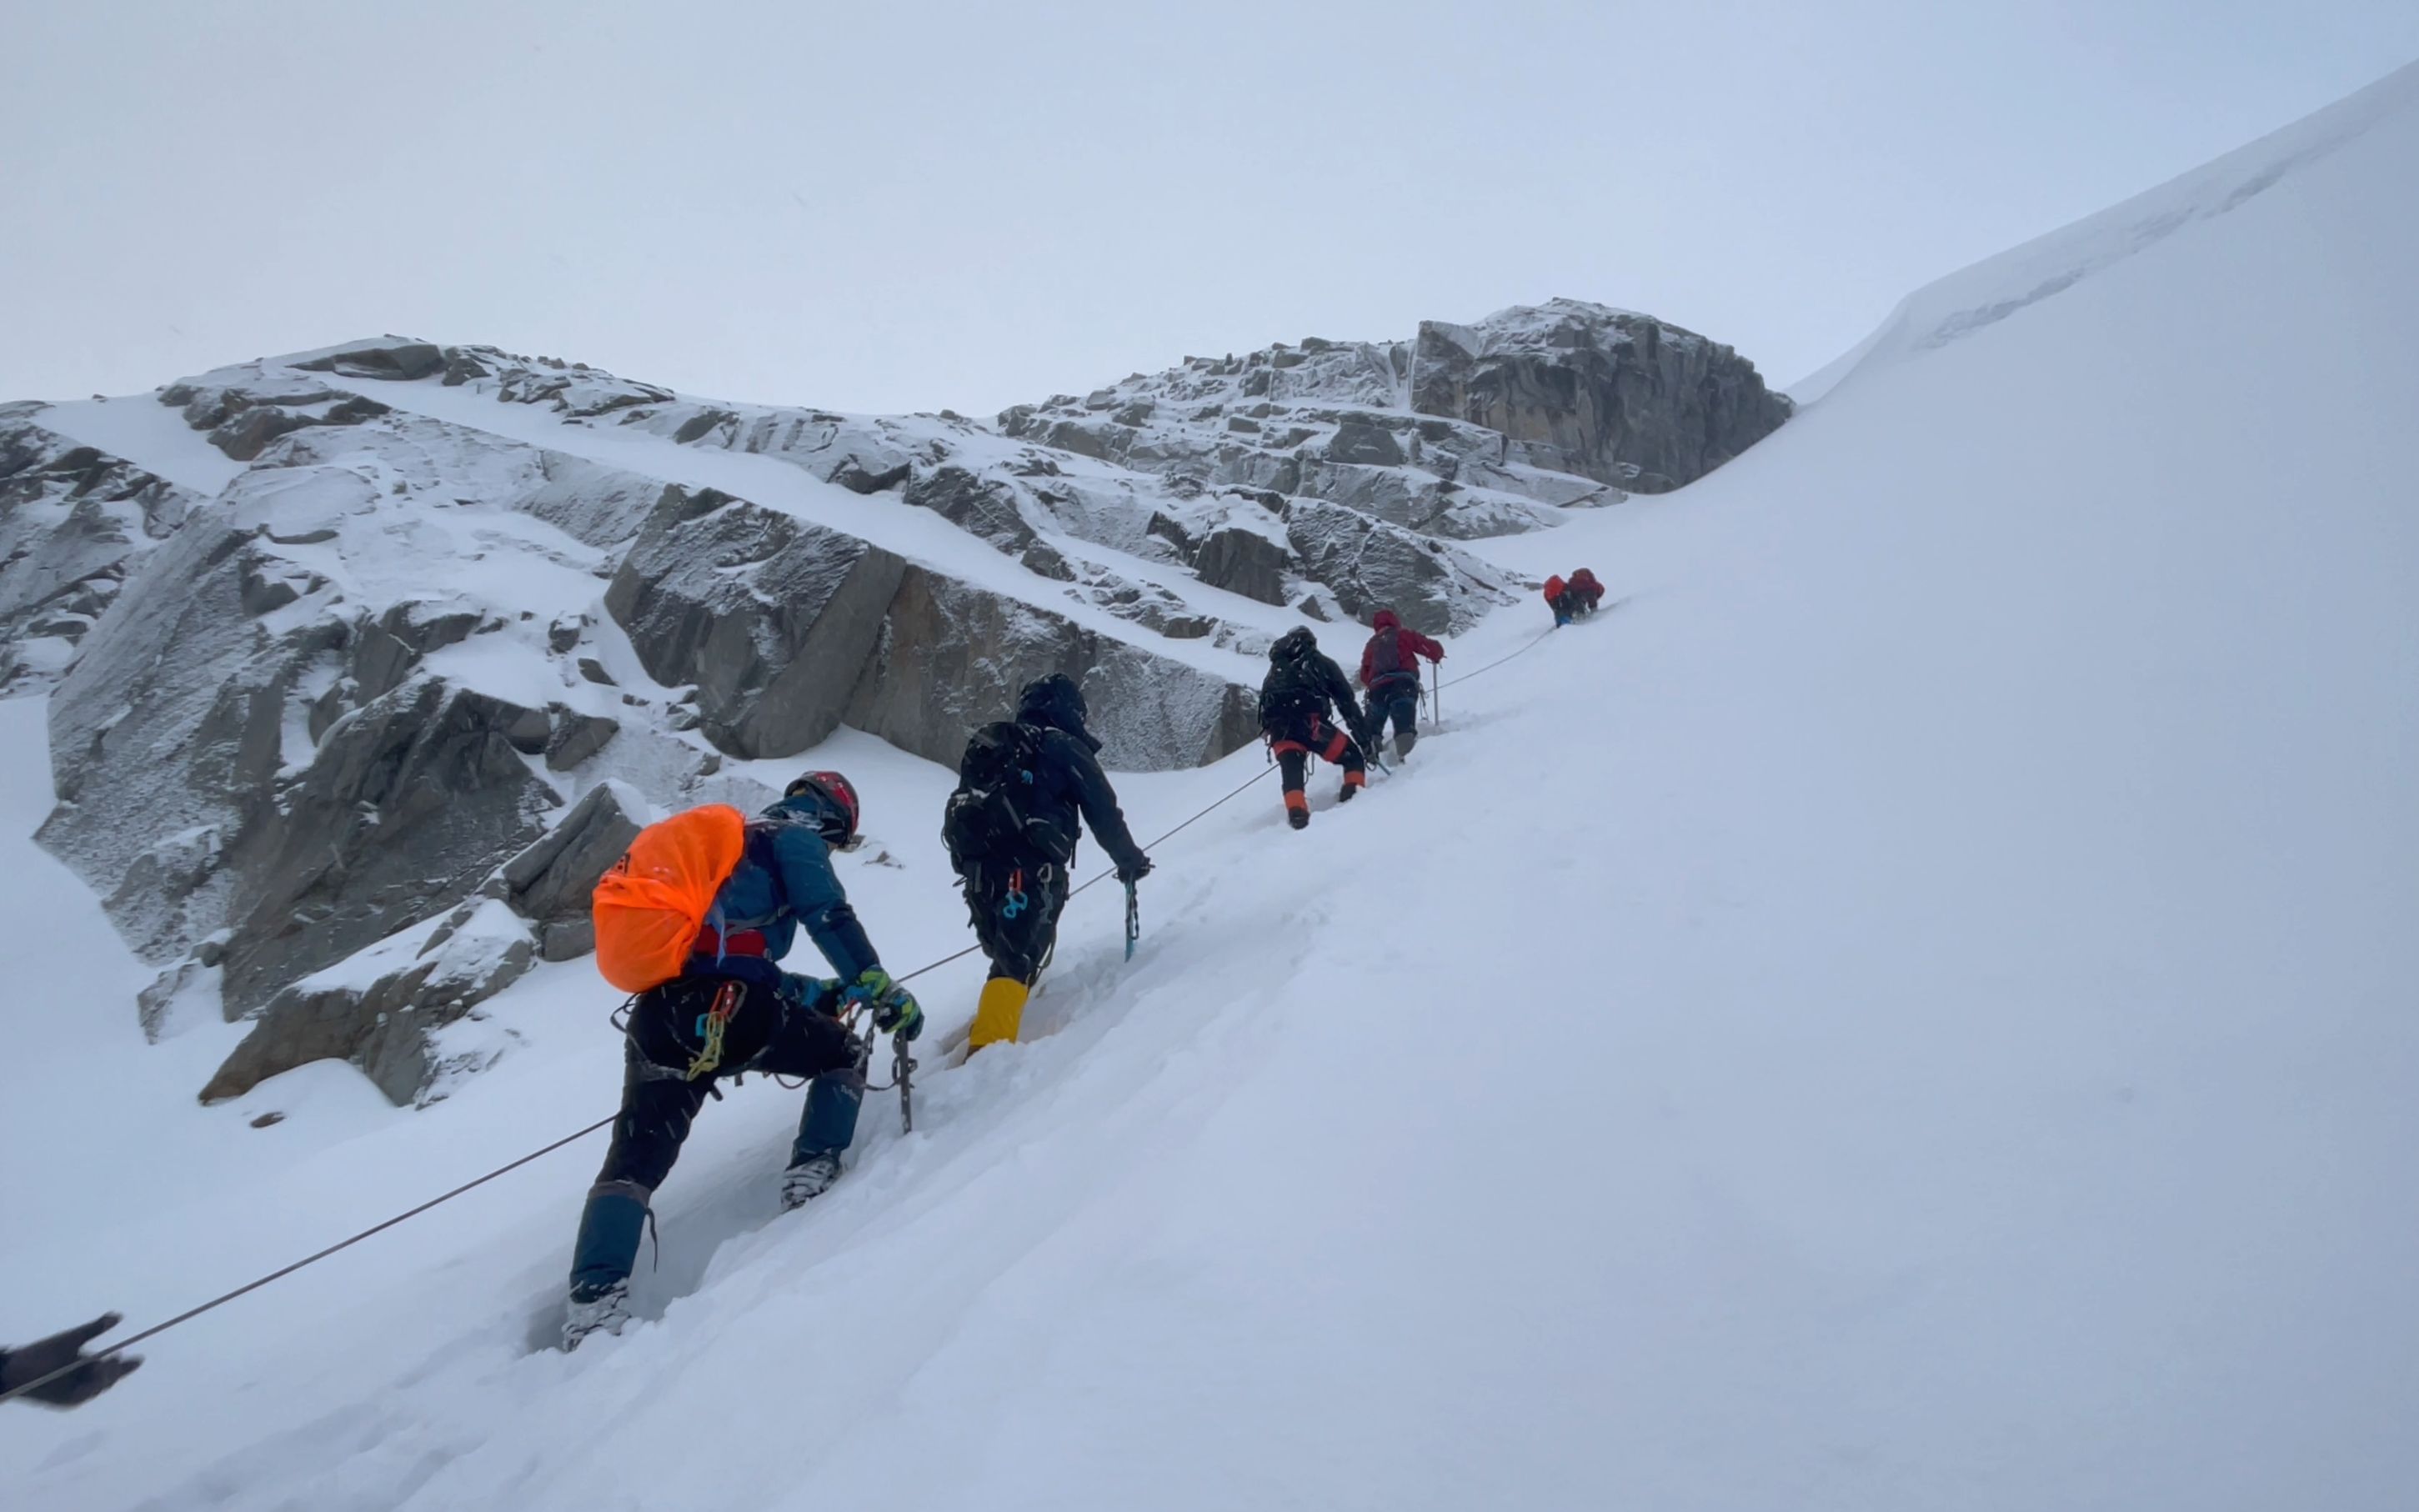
(895,1009)
(1133,872)
(80,1377)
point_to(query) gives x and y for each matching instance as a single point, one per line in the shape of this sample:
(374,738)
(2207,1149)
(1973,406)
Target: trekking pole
(1133,920)
(903,1071)
(1436,695)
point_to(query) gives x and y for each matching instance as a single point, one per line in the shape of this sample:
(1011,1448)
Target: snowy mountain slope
(1911,1010)
(1976,297)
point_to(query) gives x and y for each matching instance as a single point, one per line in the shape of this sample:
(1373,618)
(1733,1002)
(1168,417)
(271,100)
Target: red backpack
(649,904)
(1554,586)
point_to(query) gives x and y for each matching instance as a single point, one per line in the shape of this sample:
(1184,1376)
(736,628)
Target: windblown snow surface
(1914,1009)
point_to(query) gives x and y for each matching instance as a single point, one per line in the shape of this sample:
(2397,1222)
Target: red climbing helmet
(839,793)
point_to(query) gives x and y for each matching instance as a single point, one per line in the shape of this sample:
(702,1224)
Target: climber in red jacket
(1576,600)
(1390,669)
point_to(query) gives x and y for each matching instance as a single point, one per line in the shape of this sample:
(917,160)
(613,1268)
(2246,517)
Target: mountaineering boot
(998,1013)
(808,1180)
(827,1128)
(602,1312)
(1404,741)
(1298,810)
(1353,783)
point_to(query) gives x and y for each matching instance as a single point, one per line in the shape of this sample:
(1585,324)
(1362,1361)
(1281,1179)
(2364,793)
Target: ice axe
(1133,920)
(902,1074)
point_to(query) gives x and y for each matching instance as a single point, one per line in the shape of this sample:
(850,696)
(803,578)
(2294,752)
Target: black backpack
(991,816)
(1289,695)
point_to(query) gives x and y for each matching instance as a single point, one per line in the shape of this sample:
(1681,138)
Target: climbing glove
(895,1009)
(824,995)
(1134,871)
(84,1377)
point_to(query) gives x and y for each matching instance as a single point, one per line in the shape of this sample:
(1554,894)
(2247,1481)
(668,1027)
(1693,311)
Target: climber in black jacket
(1301,699)
(1024,789)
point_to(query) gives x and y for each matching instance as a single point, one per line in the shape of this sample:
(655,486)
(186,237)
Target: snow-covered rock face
(73,522)
(1604,394)
(367,658)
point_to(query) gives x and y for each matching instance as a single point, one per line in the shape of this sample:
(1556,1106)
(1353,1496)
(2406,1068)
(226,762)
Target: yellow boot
(999,1012)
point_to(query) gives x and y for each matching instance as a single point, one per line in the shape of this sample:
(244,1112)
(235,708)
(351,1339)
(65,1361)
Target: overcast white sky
(889,207)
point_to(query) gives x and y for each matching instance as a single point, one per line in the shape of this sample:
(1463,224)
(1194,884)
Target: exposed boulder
(576,736)
(549,882)
(984,508)
(1620,397)
(769,618)
(380,1009)
(952,657)
(1369,566)
(390,357)
(73,520)
(1244,562)
(249,429)
(410,802)
(1364,438)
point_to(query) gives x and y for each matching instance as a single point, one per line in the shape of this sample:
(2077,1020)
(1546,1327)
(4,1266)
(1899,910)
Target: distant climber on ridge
(1025,788)
(1390,669)
(1303,696)
(1576,600)
(692,919)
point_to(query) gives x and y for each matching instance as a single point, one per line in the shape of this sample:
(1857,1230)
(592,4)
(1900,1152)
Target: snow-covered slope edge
(1994,289)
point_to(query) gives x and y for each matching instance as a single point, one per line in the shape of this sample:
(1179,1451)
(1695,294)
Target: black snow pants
(767,1033)
(1015,907)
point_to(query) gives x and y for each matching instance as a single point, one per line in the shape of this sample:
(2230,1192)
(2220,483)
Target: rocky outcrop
(392,357)
(407,806)
(1369,566)
(383,1012)
(549,882)
(1244,562)
(769,618)
(1622,399)
(73,520)
(951,658)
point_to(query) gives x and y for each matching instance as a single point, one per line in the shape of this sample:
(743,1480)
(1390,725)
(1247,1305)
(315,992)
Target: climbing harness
(1015,902)
(710,1026)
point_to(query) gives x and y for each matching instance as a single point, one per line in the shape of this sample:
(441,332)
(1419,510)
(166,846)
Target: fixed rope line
(283,1271)
(1499,661)
(192,1313)
(281,1274)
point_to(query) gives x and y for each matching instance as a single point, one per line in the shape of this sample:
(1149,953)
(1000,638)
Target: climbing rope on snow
(1444,682)
(192,1313)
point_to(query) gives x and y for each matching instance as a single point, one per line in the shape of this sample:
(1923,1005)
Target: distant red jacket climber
(1574,599)
(1390,669)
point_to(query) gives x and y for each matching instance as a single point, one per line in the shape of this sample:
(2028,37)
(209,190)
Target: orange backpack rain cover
(651,903)
(1554,586)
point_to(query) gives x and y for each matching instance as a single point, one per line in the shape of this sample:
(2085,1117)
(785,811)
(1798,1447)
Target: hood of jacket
(1054,702)
(1387,620)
